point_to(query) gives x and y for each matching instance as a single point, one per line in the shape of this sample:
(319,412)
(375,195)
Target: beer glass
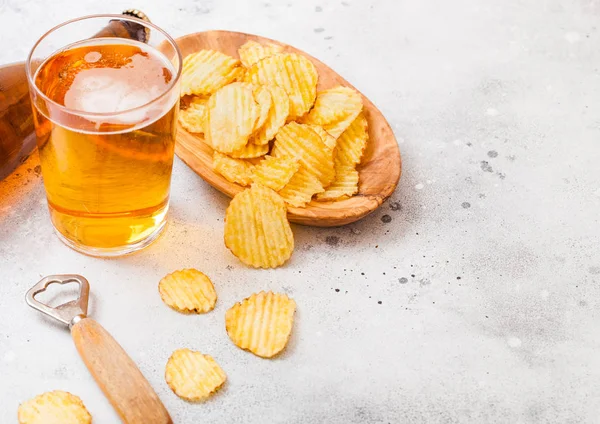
(105,97)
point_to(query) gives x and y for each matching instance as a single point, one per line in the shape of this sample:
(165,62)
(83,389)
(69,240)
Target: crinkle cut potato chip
(206,71)
(353,142)
(327,138)
(262,97)
(250,151)
(274,172)
(56,407)
(261,323)
(278,114)
(251,52)
(301,188)
(192,375)
(257,230)
(334,105)
(292,72)
(344,186)
(336,129)
(237,171)
(188,290)
(231,116)
(301,141)
(193,117)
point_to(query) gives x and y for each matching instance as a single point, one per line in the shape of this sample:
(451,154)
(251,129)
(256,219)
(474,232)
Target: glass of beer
(105,96)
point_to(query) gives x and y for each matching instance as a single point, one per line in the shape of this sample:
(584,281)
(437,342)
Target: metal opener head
(69,313)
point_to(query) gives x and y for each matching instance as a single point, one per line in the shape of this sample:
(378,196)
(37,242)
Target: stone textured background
(471,296)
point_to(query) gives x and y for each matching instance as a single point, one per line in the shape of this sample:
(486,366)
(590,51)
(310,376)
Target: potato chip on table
(274,172)
(188,290)
(292,72)
(56,407)
(257,230)
(231,116)
(206,71)
(237,171)
(251,52)
(262,323)
(192,375)
(301,141)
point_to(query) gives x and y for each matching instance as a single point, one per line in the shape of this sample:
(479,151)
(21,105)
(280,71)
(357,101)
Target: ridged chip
(301,188)
(278,114)
(56,407)
(192,375)
(334,106)
(257,230)
(193,118)
(188,290)
(250,151)
(301,141)
(327,138)
(262,97)
(251,52)
(274,172)
(292,72)
(336,129)
(234,170)
(352,143)
(206,71)
(345,184)
(231,116)
(261,323)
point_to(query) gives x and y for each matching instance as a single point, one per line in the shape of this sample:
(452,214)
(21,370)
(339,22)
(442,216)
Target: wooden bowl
(379,171)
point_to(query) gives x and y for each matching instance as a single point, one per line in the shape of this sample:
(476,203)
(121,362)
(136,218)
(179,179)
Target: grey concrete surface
(471,296)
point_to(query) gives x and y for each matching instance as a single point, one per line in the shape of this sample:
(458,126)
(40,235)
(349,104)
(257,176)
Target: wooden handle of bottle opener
(117,375)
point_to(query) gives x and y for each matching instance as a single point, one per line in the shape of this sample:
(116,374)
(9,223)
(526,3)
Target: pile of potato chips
(270,130)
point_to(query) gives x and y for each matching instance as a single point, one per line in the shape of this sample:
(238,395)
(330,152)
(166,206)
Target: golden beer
(106,143)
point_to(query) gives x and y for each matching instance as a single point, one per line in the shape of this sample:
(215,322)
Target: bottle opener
(114,371)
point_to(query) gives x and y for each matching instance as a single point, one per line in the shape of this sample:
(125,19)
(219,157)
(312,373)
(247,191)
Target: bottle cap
(136,13)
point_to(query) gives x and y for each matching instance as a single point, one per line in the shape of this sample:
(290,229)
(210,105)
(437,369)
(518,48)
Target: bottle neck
(124,29)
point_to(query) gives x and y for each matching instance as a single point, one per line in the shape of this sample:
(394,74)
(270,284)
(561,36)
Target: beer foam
(109,85)
(113,90)
(92,57)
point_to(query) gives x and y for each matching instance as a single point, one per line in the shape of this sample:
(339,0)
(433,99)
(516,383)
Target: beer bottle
(17,132)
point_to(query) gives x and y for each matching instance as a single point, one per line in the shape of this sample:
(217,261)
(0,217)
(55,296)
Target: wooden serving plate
(379,171)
